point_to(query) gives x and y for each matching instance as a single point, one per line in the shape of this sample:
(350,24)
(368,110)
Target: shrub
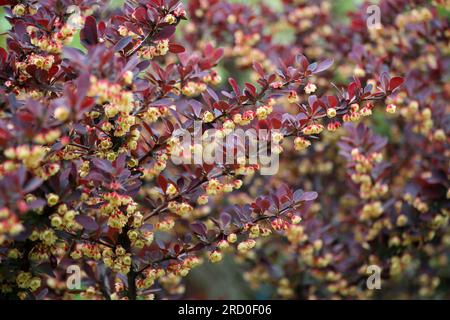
(90,136)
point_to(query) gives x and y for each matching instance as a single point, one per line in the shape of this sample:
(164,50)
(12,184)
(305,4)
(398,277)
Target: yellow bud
(215,256)
(61,113)
(232,238)
(331,112)
(52,199)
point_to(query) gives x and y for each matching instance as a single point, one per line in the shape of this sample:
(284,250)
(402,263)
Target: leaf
(351,90)
(234,85)
(312,67)
(251,88)
(122,43)
(199,228)
(218,54)
(140,14)
(88,34)
(176,48)
(83,84)
(308,196)
(395,82)
(45,268)
(165,33)
(32,185)
(221,105)
(87,222)
(102,164)
(42,294)
(225,218)
(73,54)
(332,101)
(302,61)
(384,78)
(162,182)
(323,65)
(36,204)
(258,68)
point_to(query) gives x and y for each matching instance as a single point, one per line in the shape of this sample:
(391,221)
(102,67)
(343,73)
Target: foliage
(87,137)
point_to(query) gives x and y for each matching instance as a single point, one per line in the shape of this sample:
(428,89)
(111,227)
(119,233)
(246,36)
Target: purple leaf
(87,222)
(324,65)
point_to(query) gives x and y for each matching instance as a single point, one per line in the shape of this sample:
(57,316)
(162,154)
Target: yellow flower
(391,108)
(19,10)
(232,238)
(208,117)
(171,190)
(35,283)
(170,19)
(203,199)
(52,199)
(331,112)
(215,256)
(62,113)
(310,88)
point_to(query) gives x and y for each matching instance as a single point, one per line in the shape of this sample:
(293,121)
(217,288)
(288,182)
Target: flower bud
(331,112)
(390,108)
(232,238)
(52,199)
(301,143)
(215,256)
(62,113)
(171,190)
(310,88)
(202,200)
(223,244)
(293,97)
(208,117)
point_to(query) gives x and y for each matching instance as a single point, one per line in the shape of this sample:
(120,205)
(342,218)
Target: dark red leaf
(395,82)
(88,34)
(176,48)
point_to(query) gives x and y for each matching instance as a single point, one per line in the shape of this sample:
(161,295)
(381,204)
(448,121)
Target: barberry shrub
(88,135)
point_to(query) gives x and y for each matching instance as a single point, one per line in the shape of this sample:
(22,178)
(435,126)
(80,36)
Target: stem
(124,241)
(132,284)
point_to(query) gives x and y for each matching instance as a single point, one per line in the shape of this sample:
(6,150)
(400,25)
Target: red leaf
(162,183)
(395,82)
(140,14)
(258,68)
(332,101)
(233,84)
(176,48)
(221,105)
(218,54)
(251,88)
(88,34)
(165,33)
